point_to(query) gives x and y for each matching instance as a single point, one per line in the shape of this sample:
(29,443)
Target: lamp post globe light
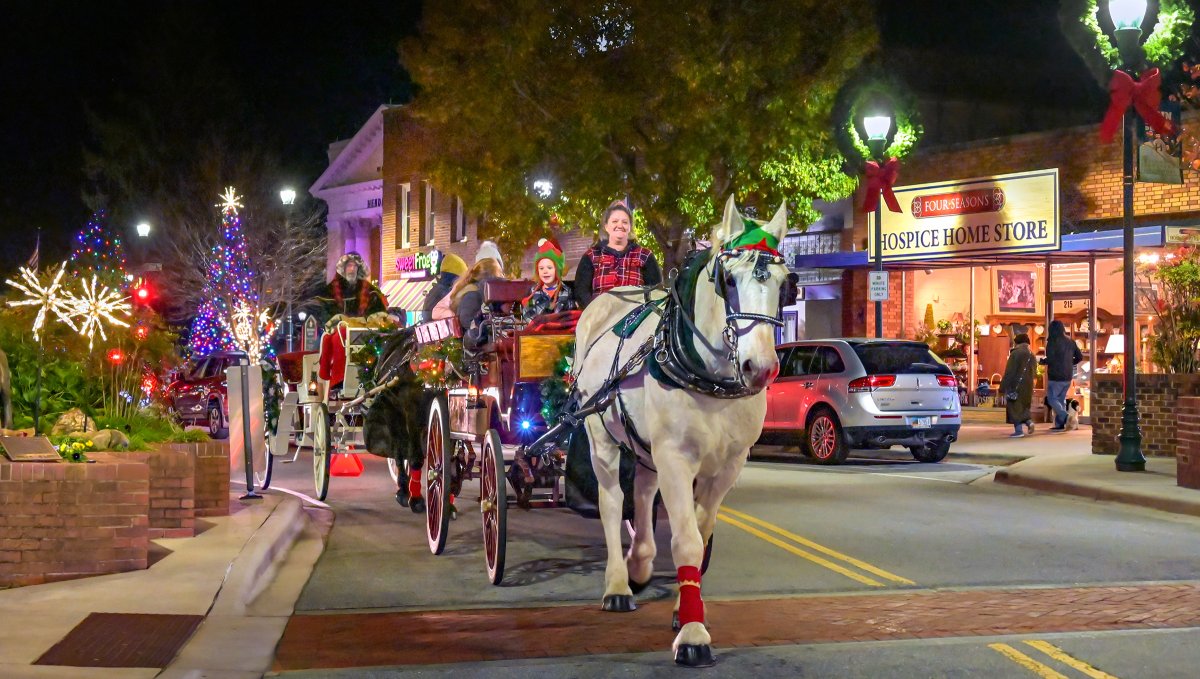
(143,229)
(877,125)
(287,196)
(1127,16)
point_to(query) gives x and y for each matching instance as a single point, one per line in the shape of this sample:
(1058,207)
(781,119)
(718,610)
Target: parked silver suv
(863,393)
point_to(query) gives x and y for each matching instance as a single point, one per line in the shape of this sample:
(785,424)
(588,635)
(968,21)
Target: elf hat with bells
(548,249)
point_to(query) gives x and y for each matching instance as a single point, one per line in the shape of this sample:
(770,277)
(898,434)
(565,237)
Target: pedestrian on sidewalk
(1062,355)
(1017,386)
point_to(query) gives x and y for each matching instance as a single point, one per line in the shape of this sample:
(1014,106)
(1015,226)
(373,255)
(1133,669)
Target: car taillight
(871,383)
(947,381)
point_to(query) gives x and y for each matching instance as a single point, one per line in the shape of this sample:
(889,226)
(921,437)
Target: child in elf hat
(550,295)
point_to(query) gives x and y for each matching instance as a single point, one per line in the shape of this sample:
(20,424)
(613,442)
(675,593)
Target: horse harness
(670,349)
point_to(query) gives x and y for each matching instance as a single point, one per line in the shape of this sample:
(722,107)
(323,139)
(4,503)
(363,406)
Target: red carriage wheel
(493,505)
(437,470)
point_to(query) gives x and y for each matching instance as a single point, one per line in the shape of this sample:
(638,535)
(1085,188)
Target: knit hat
(363,272)
(488,249)
(548,249)
(452,263)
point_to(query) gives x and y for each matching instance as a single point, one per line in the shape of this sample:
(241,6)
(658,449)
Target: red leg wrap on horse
(414,483)
(691,606)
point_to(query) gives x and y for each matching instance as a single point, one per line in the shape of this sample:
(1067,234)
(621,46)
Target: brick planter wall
(1187,443)
(172,491)
(62,521)
(211,476)
(1158,404)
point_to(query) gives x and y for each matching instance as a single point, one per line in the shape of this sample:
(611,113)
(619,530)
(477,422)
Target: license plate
(920,422)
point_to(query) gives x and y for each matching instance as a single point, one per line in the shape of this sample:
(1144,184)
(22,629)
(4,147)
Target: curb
(254,569)
(1101,494)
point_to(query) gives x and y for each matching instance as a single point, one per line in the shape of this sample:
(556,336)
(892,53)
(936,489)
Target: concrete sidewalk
(242,573)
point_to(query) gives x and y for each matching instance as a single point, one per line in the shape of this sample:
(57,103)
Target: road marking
(1061,656)
(862,565)
(312,500)
(800,552)
(1044,671)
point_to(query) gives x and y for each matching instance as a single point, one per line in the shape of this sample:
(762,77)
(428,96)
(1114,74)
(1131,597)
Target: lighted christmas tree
(230,317)
(97,250)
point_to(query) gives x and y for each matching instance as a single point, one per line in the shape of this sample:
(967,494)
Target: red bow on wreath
(1144,94)
(881,179)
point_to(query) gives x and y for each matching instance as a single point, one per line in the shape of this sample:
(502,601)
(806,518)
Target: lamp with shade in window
(1116,348)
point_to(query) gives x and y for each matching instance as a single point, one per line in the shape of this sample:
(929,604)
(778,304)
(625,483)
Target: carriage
(321,415)
(489,425)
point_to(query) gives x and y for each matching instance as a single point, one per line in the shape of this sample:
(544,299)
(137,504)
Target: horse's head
(748,274)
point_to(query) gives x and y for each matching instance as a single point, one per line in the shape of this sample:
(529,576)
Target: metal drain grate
(123,640)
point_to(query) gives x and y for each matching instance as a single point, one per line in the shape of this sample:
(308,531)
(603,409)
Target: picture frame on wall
(1016,291)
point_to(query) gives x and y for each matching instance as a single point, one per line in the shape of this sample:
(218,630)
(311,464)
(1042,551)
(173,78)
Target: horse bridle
(717,275)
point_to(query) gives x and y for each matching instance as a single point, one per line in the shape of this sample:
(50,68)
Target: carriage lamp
(312,386)
(525,425)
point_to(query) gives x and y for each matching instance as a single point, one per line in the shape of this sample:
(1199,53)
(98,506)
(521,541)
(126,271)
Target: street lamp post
(1127,16)
(877,128)
(288,198)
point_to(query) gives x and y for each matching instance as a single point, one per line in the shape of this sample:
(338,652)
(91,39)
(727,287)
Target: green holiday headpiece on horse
(753,237)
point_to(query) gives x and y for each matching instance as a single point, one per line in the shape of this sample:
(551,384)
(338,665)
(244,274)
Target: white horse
(698,432)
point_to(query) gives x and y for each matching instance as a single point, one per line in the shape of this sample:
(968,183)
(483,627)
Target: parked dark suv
(198,396)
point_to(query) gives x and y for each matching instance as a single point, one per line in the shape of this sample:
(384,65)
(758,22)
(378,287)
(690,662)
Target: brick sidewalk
(432,637)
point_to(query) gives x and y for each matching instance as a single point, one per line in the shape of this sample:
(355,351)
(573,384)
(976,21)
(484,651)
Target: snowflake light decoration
(248,330)
(230,200)
(48,298)
(95,306)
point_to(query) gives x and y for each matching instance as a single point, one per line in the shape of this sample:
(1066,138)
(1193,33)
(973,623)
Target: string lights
(49,299)
(95,306)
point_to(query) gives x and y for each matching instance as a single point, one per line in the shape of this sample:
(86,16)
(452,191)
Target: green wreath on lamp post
(871,90)
(1090,30)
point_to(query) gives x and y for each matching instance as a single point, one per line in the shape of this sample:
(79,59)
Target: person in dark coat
(618,261)
(466,300)
(1062,355)
(351,292)
(450,270)
(1017,386)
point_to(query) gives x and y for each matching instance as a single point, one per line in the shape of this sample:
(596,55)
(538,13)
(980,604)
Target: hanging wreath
(1081,22)
(872,88)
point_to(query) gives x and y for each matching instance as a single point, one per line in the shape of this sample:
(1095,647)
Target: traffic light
(143,294)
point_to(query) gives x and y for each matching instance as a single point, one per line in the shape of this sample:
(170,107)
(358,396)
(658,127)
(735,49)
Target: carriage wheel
(320,437)
(493,505)
(437,475)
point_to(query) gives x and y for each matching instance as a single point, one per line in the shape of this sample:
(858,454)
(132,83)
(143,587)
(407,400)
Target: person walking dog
(1062,355)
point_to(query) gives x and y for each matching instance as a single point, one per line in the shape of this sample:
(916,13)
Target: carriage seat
(501,294)
(291,368)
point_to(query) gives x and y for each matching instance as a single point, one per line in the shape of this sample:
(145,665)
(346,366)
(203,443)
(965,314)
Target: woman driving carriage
(550,295)
(616,261)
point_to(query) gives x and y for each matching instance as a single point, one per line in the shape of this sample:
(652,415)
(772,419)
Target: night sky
(312,73)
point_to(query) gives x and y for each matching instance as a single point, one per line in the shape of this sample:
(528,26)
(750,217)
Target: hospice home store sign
(1005,214)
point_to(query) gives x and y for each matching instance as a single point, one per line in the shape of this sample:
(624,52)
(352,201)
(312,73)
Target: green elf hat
(753,237)
(548,249)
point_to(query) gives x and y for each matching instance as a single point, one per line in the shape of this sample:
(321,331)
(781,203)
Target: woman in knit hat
(550,295)
(617,261)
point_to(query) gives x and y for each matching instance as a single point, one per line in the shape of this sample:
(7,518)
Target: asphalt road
(788,529)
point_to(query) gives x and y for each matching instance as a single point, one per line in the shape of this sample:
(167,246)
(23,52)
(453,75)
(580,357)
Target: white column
(362,239)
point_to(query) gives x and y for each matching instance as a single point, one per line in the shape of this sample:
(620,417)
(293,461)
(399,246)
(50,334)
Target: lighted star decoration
(247,329)
(96,305)
(230,200)
(48,298)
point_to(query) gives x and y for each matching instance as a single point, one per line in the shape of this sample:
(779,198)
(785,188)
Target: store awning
(406,293)
(1076,247)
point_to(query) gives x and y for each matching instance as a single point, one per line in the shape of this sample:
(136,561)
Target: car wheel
(931,452)
(823,438)
(217,428)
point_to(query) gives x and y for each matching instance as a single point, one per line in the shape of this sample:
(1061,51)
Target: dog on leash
(1072,413)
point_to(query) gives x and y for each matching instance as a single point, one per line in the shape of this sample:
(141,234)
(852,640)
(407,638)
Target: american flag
(33,259)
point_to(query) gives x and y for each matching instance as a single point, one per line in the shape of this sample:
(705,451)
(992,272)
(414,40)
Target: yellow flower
(91,443)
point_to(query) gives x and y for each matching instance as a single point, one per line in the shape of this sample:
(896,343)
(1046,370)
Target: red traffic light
(142,293)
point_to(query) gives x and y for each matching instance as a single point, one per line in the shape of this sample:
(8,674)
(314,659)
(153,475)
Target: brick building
(382,206)
(1066,282)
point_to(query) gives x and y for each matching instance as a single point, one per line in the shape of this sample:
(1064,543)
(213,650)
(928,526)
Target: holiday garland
(434,363)
(1081,22)
(556,388)
(867,90)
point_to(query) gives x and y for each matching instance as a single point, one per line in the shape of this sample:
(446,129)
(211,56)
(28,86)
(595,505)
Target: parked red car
(197,395)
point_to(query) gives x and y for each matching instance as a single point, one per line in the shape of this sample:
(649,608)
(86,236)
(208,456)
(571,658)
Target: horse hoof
(675,626)
(417,505)
(695,655)
(637,587)
(618,603)
(402,498)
